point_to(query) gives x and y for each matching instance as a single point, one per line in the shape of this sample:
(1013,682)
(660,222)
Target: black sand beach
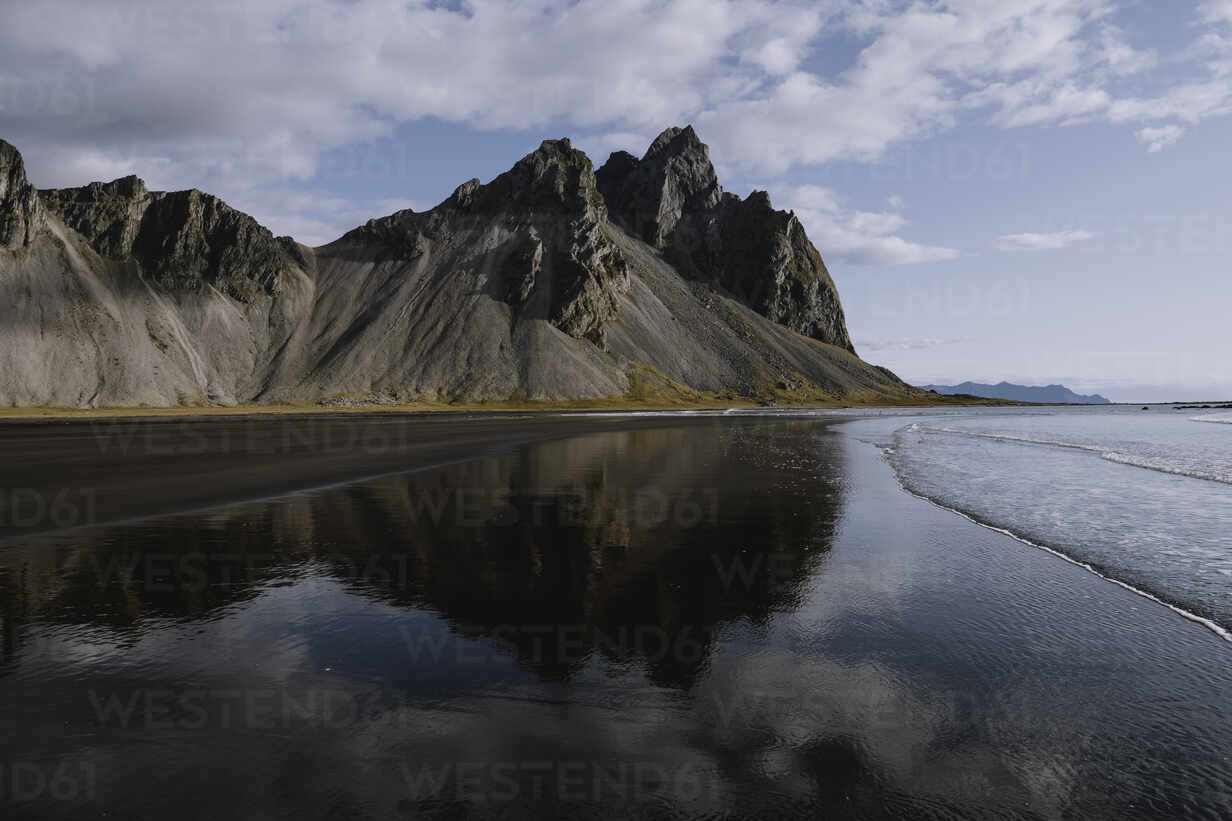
(70,473)
(576,617)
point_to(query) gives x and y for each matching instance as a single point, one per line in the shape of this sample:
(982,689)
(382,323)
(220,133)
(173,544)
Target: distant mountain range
(1049,395)
(553,281)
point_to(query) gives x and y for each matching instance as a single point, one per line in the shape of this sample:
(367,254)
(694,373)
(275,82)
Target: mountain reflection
(636,546)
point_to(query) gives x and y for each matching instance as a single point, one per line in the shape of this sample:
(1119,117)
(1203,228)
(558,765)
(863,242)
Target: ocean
(1141,497)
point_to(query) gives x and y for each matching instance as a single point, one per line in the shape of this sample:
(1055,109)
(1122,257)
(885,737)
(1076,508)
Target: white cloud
(274,81)
(1067,104)
(857,237)
(1121,58)
(1040,242)
(238,94)
(316,217)
(1216,11)
(924,65)
(1157,139)
(1214,50)
(599,146)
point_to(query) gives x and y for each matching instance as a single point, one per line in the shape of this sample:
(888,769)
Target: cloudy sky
(1034,190)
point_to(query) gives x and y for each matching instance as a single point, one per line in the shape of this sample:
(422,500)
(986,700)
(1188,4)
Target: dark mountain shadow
(635,546)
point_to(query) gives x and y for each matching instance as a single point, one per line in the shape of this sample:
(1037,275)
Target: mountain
(1047,395)
(552,281)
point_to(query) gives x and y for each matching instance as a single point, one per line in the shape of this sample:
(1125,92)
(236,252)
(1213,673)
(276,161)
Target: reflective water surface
(740,619)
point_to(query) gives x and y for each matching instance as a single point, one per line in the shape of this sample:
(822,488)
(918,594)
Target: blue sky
(1032,190)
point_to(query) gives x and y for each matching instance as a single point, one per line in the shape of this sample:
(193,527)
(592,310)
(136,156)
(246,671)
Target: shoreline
(536,407)
(444,409)
(13,414)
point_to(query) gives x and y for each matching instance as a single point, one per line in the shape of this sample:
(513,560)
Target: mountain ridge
(538,285)
(1044,394)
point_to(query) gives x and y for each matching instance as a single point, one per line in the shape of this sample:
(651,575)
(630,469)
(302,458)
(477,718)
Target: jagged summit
(19,202)
(675,177)
(536,231)
(555,177)
(672,199)
(181,239)
(552,281)
(678,140)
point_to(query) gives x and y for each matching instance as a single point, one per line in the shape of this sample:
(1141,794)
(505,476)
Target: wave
(1158,464)
(1217,418)
(1161,465)
(1210,624)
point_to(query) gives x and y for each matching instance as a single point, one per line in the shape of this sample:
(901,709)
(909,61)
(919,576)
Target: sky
(1030,190)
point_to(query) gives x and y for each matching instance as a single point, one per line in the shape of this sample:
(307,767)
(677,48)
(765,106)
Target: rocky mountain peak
(19,203)
(186,240)
(676,140)
(535,238)
(759,200)
(464,193)
(555,176)
(763,257)
(671,198)
(554,181)
(648,197)
(131,186)
(108,214)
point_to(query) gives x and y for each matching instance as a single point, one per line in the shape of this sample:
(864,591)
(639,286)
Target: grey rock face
(672,199)
(558,264)
(526,287)
(184,240)
(764,258)
(648,197)
(19,203)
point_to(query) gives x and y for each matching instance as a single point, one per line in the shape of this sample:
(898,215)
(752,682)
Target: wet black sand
(732,618)
(70,473)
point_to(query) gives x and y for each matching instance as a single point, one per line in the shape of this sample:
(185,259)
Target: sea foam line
(1144,462)
(1209,624)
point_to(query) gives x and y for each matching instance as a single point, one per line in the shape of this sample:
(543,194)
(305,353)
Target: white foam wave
(1009,437)
(1209,624)
(1163,466)
(1217,418)
(1156,463)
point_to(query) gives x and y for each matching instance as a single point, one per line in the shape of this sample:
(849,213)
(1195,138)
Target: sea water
(1143,497)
